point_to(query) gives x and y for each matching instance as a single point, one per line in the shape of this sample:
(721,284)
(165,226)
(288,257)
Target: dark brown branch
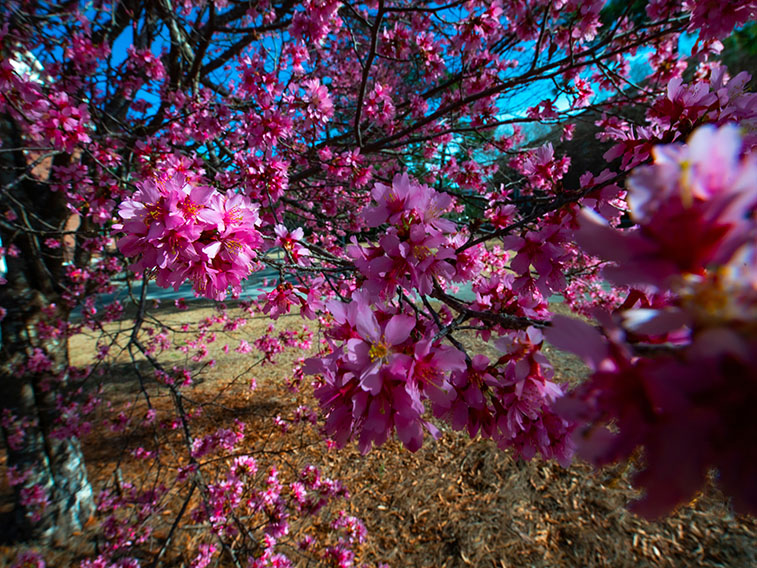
(366,73)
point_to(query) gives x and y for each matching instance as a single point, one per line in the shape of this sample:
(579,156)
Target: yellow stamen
(378,350)
(154,210)
(421,252)
(232,246)
(235,215)
(687,194)
(190,208)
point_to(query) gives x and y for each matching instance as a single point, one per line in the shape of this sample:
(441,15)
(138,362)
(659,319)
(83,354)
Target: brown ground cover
(456,502)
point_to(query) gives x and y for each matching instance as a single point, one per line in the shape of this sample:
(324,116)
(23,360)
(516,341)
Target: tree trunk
(55,498)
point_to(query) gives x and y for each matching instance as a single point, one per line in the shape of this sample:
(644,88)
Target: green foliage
(742,41)
(740,50)
(614,9)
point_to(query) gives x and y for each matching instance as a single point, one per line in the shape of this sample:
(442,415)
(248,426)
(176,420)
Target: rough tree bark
(54,468)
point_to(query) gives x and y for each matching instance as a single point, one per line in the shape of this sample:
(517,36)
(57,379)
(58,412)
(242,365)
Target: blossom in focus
(374,381)
(184,231)
(373,348)
(290,242)
(383,366)
(417,246)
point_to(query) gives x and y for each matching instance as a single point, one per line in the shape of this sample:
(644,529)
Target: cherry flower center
(232,246)
(425,374)
(475,378)
(379,350)
(155,210)
(408,219)
(189,208)
(421,252)
(235,215)
(714,298)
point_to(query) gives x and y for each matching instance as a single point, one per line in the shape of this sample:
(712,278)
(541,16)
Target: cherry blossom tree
(353,148)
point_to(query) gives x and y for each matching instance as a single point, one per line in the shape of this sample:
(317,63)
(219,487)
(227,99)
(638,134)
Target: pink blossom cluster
(15,428)
(414,249)
(36,499)
(263,176)
(500,212)
(291,242)
(62,122)
(348,165)
(91,197)
(220,440)
(379,106)
(692,263)
(184,231)
(127,513)
(718,100)
(316,20)
(272,343)
(256,510)
(510,400)
(223,496)
(540,258)
(276,509)
(497,293)
(318,105)
(205,554)
(74,414)
(716,19)
(142,66)
(283,297)
(351,531)
(376,378)
(386,364)
(541,168)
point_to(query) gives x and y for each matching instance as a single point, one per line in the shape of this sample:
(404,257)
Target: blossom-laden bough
(378,166)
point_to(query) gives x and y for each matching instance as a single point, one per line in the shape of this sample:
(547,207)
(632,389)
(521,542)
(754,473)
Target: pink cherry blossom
(690,206)
(290,242)
(184,231)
